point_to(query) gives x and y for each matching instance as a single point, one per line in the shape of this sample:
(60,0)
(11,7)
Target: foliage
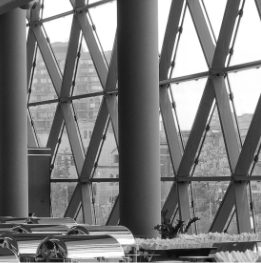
(168,230)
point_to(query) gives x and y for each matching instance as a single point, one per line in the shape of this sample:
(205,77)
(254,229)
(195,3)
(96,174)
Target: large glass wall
(209,134)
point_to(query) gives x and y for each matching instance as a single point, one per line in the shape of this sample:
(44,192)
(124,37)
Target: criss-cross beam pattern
(216,93)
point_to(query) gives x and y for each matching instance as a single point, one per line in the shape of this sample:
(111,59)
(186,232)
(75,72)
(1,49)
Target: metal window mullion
(74,203)
(31,50)
(197,131)
(170,128)
(112,105)
(177,120)
(234,111)
(73,136)
(70,58)
(170,37)
(112,75)
(95,53)
(86,203)
(226,119)
(171,34)
(171,201)
(113,218)
(96,36)
(184,202)
(95,141)
(258,6)
(224,210)
(55,130)
(225,34)
(50,63)
(202,30)
(242,208)
(32,139)
(190,77)
(219,60)
(235,35)
(250,144)
(57,146)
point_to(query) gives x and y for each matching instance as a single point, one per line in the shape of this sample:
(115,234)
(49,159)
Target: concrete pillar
(138,81)
(13,129)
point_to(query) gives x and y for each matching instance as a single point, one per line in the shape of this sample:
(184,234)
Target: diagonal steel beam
(220,56)
(225,34)
(202,29)
(165,104)
(114,215)
(55,130)
(73,136)
(251,141)
(31,49)
(170,38)
(75,202)
(31,140)
(95,53)
(70,58)
(197,130)
(48,58)
(224,210)
(227,121)
(95,141)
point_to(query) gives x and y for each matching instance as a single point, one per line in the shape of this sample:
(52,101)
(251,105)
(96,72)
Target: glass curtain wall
(210,84)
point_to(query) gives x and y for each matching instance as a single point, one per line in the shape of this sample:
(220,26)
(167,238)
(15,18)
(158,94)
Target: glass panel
(64,166)
(163,15)
(42,117)
(165,188)
(52,8)
(108,163)
(232,228)
(58,31)
(42,88)
(166,169)
(184,94)
(92,1)
(256,193)
(61,194)
(87,80)
(215,12)
(213,159)
(79,218)
(86,111)
(255,168)
(207,198)
(248,41)
(190,58)
(105,27)
(246,90)
(105,195)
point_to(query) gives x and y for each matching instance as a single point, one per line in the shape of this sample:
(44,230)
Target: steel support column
(138,76)
(13,115)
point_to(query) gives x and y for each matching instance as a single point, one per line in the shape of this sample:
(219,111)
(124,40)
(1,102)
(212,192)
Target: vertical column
(139,162)
(13,126)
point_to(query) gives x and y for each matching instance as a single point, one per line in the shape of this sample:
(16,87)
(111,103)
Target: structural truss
(209,90)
